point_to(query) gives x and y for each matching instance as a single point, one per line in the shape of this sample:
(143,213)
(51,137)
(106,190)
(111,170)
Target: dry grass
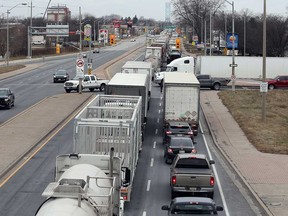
(5,69)
(246,108)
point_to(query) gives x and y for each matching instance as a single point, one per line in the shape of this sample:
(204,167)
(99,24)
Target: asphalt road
(21,195)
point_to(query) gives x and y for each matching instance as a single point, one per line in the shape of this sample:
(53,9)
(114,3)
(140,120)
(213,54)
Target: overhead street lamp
(8,11)
(233,65)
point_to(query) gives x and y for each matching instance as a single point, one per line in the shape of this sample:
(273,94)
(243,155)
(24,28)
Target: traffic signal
(112,39)
(177,43)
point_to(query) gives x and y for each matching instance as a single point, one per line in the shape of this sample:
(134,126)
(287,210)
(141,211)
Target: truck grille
(68,84)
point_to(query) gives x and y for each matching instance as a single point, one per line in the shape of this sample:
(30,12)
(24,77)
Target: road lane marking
(154,145)
(158,120)
(156,132)
(159,111)
(144,213)
(148,185)
(216,174)
(152,162)
(160,104)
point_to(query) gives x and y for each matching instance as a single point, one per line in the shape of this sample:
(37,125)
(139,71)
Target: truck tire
(102,87)
(216,86)
(271,87)
(91,89)
(67,90)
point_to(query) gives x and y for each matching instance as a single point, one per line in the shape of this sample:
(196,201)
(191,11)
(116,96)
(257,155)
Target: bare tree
(193,12)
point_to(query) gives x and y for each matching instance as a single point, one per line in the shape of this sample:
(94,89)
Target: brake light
(170,150)
(194,151)
(212,181)
(173,180)
(168,132)
(125,197)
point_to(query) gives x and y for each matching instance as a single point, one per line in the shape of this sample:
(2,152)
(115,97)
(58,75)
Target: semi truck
(112,121)
(85,185)
(247,66)
(181,99)
(139,67)
(184,64)
(131,84)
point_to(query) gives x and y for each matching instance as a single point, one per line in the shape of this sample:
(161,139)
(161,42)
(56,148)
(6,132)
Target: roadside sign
(80,67)
(233,77)
(263,87)
(80,62)
(233,65)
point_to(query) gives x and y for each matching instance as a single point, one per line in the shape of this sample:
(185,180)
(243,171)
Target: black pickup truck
(206,81)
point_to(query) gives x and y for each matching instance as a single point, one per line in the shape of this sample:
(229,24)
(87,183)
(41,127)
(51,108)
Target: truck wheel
(271,87)
(216,86)
(102,87)
(91,89)
(67,90)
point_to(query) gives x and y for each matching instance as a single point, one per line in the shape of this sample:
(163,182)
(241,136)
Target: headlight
(65,76)
(6,99)
(54,76)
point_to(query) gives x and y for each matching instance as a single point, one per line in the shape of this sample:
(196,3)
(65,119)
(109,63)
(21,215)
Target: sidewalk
(265,174)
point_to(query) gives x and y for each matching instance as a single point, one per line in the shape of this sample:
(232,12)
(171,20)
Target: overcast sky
(147,8)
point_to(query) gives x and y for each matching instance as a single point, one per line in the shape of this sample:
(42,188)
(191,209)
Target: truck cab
(183,65)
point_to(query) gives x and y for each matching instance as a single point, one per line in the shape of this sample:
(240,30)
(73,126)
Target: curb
(243,180)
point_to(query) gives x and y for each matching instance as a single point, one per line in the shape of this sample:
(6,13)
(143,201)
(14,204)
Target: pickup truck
(90,82)
(192,174)
(206,81)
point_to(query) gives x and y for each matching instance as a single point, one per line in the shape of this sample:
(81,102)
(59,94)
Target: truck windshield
(169,69)
(192,163)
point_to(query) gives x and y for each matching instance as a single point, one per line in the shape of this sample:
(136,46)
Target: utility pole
(205,39)
(244,51)
(264,65)
(30,34)
(80,31)
(210,33)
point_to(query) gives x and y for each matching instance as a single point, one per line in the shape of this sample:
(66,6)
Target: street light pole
(8,51)
(80,25)
(30,34)
(264,64)
(233,65)
(210,33)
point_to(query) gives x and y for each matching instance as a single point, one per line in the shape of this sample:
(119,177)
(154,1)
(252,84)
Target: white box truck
(131,84)
(112,121)
(182,99)
(248,67)
(139,67)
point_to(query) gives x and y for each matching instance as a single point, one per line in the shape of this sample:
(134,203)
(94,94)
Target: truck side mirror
(165,207)
(219,208)
(211,162)
(127,176)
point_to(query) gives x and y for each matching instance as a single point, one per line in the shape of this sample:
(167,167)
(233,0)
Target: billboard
(57,30)
(229,41)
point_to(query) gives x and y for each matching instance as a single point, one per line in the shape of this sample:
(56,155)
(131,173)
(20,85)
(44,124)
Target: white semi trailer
(247,66)
(85,185)
(112,121)
(181,99)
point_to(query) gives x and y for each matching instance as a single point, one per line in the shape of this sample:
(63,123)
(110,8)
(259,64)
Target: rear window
(180,128)
(192,163)
(192,208)
(181,142)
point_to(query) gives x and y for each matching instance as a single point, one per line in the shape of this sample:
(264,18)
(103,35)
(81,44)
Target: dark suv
(176,145)
(278,82)
(174,128)
(7,98)
(60,75)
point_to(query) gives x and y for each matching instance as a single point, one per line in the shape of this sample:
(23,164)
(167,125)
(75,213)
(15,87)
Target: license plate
(181,152)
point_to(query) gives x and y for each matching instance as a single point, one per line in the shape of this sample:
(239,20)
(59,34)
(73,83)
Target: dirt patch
(6,69)
(245,106)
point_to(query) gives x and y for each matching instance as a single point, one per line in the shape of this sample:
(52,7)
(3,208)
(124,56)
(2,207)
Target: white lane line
(216,175)
(154,145)
(152,162)
(158,120)
(160,104)
(161,97)
(144,213)
(156,132)
(148,185)
(159,111)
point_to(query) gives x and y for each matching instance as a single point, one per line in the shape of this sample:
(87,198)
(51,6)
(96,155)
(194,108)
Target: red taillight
(212,181)
(190,132)
(125,197)
(170,150)
(168,132)
(173,180)
(194,151)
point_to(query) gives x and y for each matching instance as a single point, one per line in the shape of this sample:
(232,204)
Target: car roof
(4,89)
(178,124)
(187,155)
(193,199)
